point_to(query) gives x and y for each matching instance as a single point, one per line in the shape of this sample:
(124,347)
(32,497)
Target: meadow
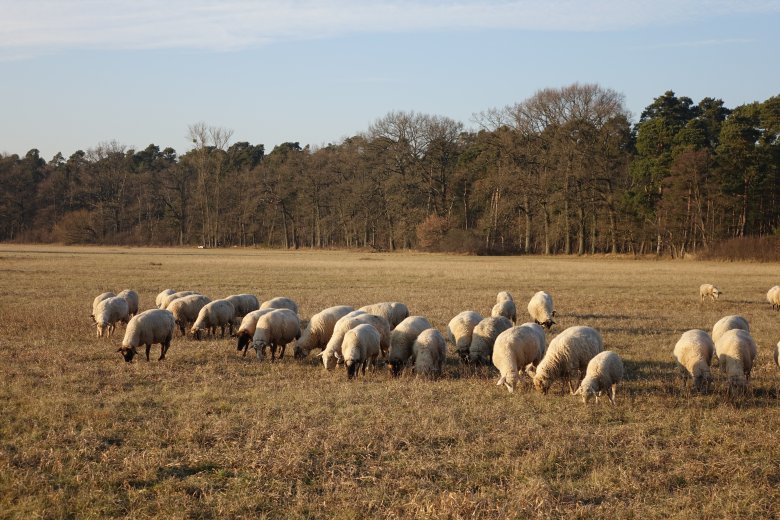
(210,434)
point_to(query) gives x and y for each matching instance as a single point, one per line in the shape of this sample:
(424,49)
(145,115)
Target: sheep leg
(611,394)
(148,349)
(281,350)
(273,351)
(164,346)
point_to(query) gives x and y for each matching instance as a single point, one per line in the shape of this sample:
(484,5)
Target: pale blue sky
(75,73)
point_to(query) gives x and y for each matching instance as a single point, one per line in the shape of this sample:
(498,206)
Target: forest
(562,172)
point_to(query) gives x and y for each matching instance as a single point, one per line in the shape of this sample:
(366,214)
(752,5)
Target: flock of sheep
(359,338)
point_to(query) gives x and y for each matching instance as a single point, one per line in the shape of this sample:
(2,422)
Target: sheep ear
(501,381)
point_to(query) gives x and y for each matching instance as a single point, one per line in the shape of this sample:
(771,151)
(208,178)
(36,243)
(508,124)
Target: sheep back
(275,329)
(243,304)
(108,312)
(516,348)
(320,329)
(332,351)
(460,329)
(484,336)
(132,300)
(147,328)
(218,313)
(161,295)
(604,372)
(185,310)
(360,345)
(429,351)
(693,353)
(99,298)
(280,302)
(402,339)
(393,312)
(541,309)
(736,351)
(505,308)
(569,352)
(166,301)
(727,323)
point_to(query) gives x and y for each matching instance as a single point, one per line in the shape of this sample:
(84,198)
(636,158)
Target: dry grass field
(209,434)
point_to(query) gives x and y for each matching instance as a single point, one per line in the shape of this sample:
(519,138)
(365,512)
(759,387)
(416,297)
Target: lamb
(401,341)
(429,352)
(727,323)
(163,294)
(393,312)
(243,304)
(736,352)
(275,329)
(505,306)
(99,298)
(459,332)
(484,336)
(185,310)
(280,302)
(168,299)
(693,354)
(218,313)
(332,352)
(773,297)
(603,374)
(132,300)
(360,346)
(515,349)
(108,312)
(707,290)
(147,328)
(320,329)
(246,330)
(541,309)
(568,352)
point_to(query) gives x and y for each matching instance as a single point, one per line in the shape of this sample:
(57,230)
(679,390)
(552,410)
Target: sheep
(401,341)
(484,336)
(185,310)
(693,354)
(459,331)
(243,304)
(319,329)
(736,352)
(541,309)
(707,290)
(603,374)
(360,346)
(132,300)
(332,352)
(247,328)
(99,298)
(218,313)
(108,312)
(505,306)
(727,323)
(568,352)
(275,329)
(161,295)
(429,352)
(773,297)
(393,312)
(280,302)
(147,328)
(168,299)
(515,349)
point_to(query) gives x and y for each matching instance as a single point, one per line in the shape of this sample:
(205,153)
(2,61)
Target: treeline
(561,172)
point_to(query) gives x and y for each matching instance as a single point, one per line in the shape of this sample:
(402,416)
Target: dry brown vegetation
(209,434)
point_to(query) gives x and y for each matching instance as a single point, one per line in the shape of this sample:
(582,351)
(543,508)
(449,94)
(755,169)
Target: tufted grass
(209,434)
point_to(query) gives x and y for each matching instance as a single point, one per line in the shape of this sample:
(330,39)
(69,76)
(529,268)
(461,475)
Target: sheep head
(127,352)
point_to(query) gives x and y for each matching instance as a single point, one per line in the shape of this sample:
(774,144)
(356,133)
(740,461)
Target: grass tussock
(209,434)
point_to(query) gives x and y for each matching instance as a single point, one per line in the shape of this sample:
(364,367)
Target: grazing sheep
(168,299)
(243,304)
(736,352)
(484,336)
(727,323)
(163,294)
(515,349)
(693,354)
(132,300)
(459,331)
(185,310)
(393,312)
(773,297)
(360,346)
(276,329)
(218,313)
(603,374)
(429,352)
(108,312)
(332,352)
(505,306)
(401,341)
(246,330)
(319,329)
(569,352)
(99,298)
(147,328)
(541,309)
(280,302)
(707,290)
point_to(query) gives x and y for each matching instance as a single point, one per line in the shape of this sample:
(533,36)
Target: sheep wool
(148,328)
(166,301)
(108,312)
(707,290)
(360,346)
(99,298)
(401,341)
(484,336)
(132,300)
(603,374)
(727,323)
(243,304)
(280,302)
(460,330)
(246,330)
(185,310)
(736,353)
(320,329)
(275,330)
(541,309)
(693,353)
(161,296)
(568,355)
(505,308)
(332,352)
(393,312)
(218,313)
(429,351)
(773,297)
(514,350)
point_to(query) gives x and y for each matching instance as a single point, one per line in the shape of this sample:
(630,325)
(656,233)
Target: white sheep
(99,298)
(246,330)
(132,300)
(693,353)
(429,352)
(393,312)
(727,323)
(243,304)
(360,346)
(319,330)
(484,336)
(515,349)
(147,328)
(332,352)
(218,313)
(276,329)
(736,353)
(459,332)
(108,312)
(505,306)
(707,290)
(280,302)
(603,374)
(185,310)
(161,295)
(541,309)
(773,297)
(401,340)
(166,300)
(568,355)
